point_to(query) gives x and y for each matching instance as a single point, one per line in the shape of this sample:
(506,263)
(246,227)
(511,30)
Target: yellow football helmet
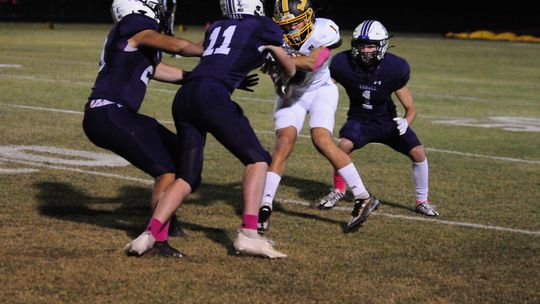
(288,13)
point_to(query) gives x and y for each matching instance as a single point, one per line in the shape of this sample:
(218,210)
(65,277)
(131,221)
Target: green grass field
(65,217)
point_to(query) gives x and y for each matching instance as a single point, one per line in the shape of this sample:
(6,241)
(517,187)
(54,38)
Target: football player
(233,47)
(131,56)
(370,75)
(310,40)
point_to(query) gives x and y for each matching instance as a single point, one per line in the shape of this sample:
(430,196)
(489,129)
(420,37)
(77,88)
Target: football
(282,83)
(280,80)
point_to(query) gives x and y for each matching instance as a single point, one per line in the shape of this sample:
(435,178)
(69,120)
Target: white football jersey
(325,33)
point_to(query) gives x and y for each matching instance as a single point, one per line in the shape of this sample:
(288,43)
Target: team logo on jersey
(367,96)
(365,87)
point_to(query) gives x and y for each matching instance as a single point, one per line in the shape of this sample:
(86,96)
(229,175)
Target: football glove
(248,82)
(402,125)
(291,51)
(184,77)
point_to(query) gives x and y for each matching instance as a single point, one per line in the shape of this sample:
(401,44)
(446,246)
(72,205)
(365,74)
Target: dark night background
(346,13)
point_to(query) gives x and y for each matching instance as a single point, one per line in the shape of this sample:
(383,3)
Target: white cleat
(140,245)
(256,245)
(331,199)
(426,209)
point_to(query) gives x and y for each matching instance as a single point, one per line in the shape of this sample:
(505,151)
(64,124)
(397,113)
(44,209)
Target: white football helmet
(234,9)
(369,32)
(150,8)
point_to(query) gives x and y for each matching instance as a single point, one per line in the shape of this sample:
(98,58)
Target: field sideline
(69,207)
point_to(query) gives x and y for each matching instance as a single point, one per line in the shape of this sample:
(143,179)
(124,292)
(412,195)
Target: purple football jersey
(125,71)
(231,48)
(370,92)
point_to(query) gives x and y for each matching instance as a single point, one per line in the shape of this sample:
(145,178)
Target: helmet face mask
(235,9)
(296,19)
(369,43)
(151,8)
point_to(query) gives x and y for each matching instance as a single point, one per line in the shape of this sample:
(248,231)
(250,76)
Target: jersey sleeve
(336,66)
(404,74)
(329,33)
(270,32)
(134,23)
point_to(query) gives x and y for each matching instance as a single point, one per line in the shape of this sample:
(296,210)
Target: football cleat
(140,245)
(263,224)
(330,200)
(426,209)
(256,245)
(361,210)
(174,227)
(165,250)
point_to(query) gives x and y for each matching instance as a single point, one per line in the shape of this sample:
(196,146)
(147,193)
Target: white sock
(420,173)
(249,232)
(353,180)
(270,188)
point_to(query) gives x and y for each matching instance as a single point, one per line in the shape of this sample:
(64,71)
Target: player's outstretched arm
(286,62)
(169,44)
(316,58)
(168,73)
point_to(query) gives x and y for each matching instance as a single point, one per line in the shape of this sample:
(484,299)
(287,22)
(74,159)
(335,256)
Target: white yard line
(43,109)
(271,100)
(498,158)
(49,80)
(286,201)
(426,219)
(54,167)
(3,65)
(484,156)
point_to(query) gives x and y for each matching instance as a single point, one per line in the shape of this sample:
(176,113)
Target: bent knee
(417,154)
(322,139)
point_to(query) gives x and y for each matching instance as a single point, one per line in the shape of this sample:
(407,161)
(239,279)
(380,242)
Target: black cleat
(264,219)
(164,249)
(174,227)
(361,210)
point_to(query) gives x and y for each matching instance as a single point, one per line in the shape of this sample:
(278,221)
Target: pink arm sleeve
(323,56)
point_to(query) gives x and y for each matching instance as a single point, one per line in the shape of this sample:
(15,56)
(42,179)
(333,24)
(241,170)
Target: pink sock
(249,221)
(159,231)
(339,182)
